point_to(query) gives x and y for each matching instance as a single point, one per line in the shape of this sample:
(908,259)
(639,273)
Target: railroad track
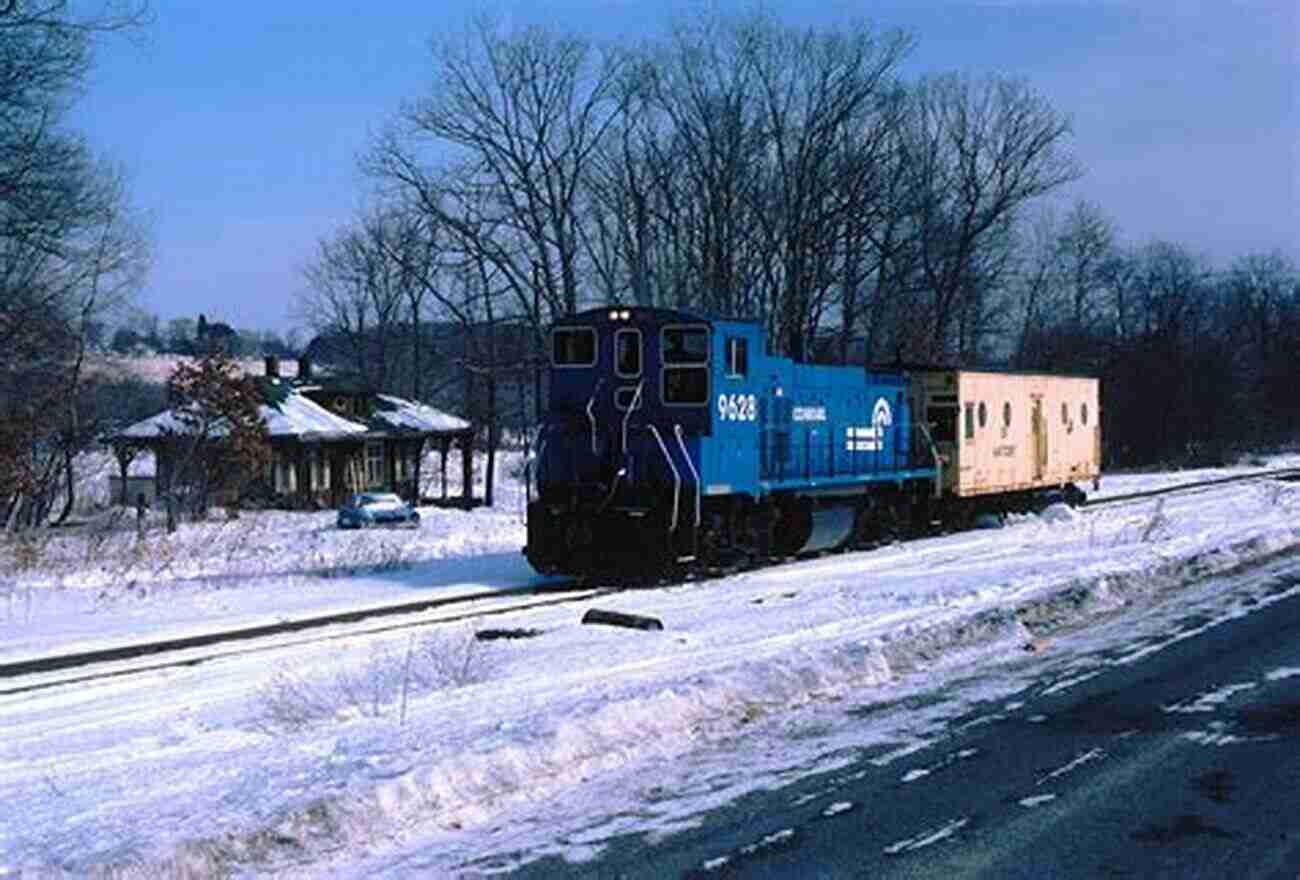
(59,670)
(1287,474)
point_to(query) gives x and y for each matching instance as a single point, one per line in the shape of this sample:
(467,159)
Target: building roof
(296,414)
(408,415)
(287,412)
(169,421)
(291,415)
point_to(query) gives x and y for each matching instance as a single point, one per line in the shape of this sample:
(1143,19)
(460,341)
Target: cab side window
(685,354)
(737,358)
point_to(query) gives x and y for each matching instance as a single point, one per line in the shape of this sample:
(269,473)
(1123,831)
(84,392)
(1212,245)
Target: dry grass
(377,689)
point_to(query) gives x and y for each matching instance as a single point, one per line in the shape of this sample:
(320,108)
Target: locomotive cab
(620,450)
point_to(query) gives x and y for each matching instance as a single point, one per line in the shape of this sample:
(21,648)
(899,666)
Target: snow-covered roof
(412,416)
(296,414)
(290,415)
(169,421)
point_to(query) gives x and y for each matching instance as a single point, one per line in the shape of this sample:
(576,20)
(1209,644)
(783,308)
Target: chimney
(304,368)
(272,366)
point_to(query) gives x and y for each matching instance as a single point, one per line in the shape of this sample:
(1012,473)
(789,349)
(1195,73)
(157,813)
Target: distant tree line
(1197,365)
(142,332)
(742,167)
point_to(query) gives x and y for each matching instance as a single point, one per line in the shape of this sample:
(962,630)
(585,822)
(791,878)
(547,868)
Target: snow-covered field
(440,754)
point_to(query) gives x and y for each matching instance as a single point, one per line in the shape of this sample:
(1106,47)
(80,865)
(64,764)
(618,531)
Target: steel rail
(1288,474)
(118,653)
(185,661)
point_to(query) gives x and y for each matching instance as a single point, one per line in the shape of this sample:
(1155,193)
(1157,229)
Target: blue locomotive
(673,439)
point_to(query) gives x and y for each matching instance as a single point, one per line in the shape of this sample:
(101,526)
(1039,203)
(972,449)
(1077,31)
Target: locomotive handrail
(591,417)
(613,489)
(636,400)
(528,469)
(694,473)
(938,459)
(677,479)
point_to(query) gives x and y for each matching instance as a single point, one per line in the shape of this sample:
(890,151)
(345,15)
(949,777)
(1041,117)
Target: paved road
(1181,763)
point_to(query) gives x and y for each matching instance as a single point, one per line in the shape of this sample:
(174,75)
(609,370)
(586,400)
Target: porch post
(467,469)
(419,459)
(125,452)
(442,449)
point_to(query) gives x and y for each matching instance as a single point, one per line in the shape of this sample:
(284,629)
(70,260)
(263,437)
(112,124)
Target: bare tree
(1170,283)
(624,195)
(977,151)
(1086,242)
(524,114)
(706,147)
(1037,286)
(68,246)
(813,89)
(355,294)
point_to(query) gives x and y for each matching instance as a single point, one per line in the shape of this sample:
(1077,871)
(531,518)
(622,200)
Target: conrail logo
(871,438)
(808,414)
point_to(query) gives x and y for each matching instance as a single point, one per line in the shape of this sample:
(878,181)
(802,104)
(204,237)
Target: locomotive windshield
(685,353)
(686,345)
(573,346)
(627,352)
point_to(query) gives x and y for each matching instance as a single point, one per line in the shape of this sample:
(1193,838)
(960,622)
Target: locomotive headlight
(613,316)
(625,314)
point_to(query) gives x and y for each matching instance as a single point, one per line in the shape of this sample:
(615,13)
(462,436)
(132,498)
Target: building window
(375,463)
(984,417)
(1065,413)
(318,469)
(286,475)
(970,419)
(1083,413)
(405,463)
(1006,414)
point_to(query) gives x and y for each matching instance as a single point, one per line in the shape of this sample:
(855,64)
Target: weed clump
(379,688)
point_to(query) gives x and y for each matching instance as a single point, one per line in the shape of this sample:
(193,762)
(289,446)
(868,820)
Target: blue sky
(239,123)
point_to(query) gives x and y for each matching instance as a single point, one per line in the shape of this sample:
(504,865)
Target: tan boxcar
(1010,432)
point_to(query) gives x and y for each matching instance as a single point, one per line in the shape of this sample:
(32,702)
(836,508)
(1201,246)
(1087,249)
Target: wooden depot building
(330,438)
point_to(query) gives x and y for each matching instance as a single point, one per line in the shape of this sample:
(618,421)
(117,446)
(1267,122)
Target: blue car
(369,509)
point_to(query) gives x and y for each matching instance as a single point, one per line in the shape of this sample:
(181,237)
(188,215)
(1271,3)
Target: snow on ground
(100,583)
(423,746)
